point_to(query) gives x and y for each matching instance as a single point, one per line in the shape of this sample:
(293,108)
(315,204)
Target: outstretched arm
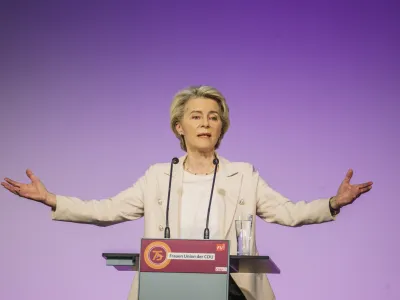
(275,208)
(126,205)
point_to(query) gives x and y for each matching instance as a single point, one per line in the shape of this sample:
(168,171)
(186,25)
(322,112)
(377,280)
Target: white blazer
(242,189)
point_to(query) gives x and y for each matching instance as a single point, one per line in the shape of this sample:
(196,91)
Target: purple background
(313,88)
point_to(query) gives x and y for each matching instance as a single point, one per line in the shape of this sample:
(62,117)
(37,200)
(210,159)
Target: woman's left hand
(348,193)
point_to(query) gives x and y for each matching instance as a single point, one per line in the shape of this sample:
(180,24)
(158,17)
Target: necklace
(187,169)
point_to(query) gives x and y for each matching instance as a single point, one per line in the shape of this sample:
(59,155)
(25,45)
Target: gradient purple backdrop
(313,88)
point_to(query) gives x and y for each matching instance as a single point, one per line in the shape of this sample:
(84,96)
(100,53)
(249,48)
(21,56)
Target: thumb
(349,174)
(31,176)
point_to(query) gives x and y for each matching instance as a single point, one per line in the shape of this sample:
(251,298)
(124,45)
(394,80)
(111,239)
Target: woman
(199,119)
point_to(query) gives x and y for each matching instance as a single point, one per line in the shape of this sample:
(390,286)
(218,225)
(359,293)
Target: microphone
(167,232)
(206,230)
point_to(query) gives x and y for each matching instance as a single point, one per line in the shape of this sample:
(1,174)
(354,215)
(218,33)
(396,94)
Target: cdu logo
(155,255)
(220,247)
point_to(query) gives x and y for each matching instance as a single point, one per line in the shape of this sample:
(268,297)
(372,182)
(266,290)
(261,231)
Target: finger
(12,182)
(16,190)
(364,185)
(10,187)
(349,174)
(365,189)
(31,176)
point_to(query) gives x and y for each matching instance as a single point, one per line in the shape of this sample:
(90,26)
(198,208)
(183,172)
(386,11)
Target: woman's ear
(179,128)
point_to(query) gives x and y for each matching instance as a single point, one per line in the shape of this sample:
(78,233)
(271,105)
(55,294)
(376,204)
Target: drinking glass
(243,236)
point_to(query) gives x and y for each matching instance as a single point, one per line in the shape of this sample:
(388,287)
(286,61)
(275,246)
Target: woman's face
(201,124)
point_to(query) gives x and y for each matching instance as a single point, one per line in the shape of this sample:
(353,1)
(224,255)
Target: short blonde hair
(202,91)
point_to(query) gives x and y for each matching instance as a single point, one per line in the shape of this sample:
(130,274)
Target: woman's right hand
(34,190)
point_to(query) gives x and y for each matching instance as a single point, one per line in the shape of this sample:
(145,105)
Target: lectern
(187,269)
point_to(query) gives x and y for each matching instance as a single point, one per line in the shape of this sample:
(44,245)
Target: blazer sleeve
(275,208)
(125,206)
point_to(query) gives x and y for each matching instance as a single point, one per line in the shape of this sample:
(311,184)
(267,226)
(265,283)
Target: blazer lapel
(228,184)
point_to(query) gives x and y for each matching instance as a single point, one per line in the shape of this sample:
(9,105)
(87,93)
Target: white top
(195,200)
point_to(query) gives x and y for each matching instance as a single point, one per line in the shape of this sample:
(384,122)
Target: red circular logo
(156,255)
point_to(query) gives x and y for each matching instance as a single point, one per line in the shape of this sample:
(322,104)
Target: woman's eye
(214,118)
(196,117)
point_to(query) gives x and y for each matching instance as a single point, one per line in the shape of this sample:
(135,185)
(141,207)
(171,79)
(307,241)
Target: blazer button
(161,227)
(241,202)
(159,201)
